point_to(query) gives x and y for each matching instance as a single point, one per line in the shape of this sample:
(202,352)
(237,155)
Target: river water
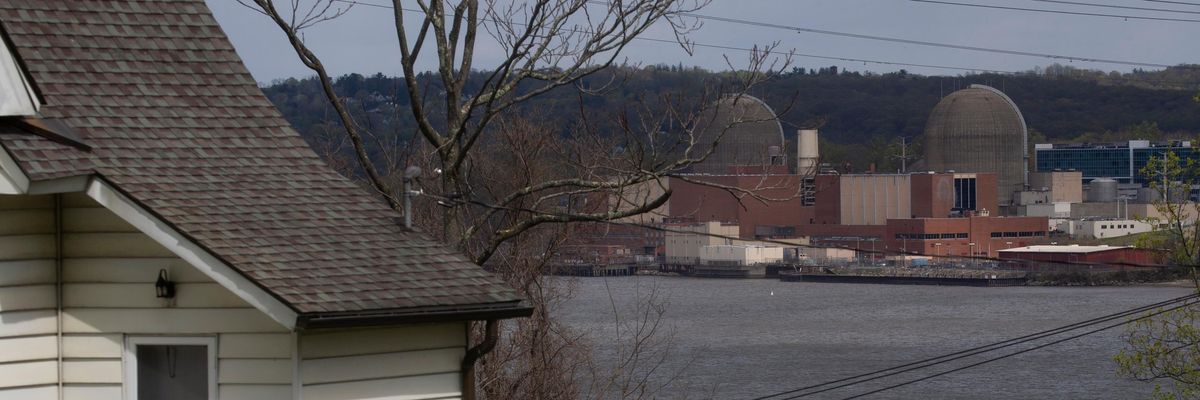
(737,339)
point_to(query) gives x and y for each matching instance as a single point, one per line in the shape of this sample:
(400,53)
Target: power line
(1014,353)
(762,24)
(1040,10)
(922,42)
(874,61)
(751,50)
(1174,2)
(848,59)
(858,379)
(1189,84)
(1075,3)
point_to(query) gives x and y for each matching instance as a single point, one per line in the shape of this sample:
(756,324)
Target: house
(164,233)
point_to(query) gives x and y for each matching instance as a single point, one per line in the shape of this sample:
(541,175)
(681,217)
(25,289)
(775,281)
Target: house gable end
(12,179)
(17,94)
(195,255)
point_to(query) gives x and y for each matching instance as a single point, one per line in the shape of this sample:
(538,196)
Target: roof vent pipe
(411,174)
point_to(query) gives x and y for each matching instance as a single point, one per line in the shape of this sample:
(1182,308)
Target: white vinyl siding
(28,322)
(109,271)
(108,274)
(409,362)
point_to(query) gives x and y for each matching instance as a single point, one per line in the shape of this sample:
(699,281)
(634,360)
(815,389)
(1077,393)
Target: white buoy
(772,292)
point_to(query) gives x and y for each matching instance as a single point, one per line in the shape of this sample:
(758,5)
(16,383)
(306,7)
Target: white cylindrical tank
(1102,190)
(807,153)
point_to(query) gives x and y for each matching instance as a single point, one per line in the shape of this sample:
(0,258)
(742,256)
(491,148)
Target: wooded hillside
(859,114)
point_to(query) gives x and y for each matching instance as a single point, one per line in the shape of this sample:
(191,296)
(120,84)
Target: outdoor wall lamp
(163,287)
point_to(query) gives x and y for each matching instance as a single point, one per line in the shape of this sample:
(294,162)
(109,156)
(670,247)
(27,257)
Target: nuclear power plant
(749,134)
(973,196)
(979,129)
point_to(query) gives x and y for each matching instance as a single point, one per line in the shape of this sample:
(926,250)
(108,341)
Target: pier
(594,270)
(907,276)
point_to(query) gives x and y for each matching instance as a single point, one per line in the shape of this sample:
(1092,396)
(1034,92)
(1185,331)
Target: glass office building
(1120,161)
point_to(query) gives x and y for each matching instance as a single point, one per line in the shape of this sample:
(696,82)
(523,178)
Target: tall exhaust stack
(807,155)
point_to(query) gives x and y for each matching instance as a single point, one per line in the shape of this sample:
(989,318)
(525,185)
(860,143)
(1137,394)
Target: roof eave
(475,312)
(12,179)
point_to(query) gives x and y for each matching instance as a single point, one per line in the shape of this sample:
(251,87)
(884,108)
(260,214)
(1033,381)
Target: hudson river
(737,339)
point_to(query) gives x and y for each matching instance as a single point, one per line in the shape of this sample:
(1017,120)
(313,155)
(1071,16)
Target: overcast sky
(364,40)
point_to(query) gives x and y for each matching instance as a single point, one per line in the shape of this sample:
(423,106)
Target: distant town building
(1122,162)
(979,129)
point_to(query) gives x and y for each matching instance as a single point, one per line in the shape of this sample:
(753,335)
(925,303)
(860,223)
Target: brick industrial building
(1085,254)
(704,198)
(923,213)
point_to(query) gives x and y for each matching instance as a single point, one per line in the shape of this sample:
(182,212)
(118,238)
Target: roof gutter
(479,312)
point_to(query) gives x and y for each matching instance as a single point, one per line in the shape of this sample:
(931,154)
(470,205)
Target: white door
(170,368)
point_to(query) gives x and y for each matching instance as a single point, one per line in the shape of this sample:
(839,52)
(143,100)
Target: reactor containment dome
(747,129)
(979,129)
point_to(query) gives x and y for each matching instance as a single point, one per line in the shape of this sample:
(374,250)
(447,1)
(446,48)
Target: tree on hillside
(509,187)
(1165,349)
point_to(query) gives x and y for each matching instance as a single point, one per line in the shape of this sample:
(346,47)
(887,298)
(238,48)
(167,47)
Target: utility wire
(849,59)
(805,55)
(857,379)
(1174,2)
(1189,84)
(876,61)
(1040,10)
(922,42)
(1076,3)
(973,70)
(794,28)
(1023,351)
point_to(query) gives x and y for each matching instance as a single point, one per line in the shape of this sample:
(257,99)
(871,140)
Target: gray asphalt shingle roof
(178,124)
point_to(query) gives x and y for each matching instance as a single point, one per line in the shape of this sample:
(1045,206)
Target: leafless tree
(503,184)
(548,44)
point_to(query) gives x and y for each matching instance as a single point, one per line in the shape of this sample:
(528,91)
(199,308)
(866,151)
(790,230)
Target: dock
(907,276)
(595,270)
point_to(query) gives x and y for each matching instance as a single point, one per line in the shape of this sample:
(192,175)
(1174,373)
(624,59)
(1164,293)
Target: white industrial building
(1101,229)
(684,247)
(823,254)
(740,255)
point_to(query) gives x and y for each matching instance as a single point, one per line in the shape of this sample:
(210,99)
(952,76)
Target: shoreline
(1158,278)
(1178,283)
